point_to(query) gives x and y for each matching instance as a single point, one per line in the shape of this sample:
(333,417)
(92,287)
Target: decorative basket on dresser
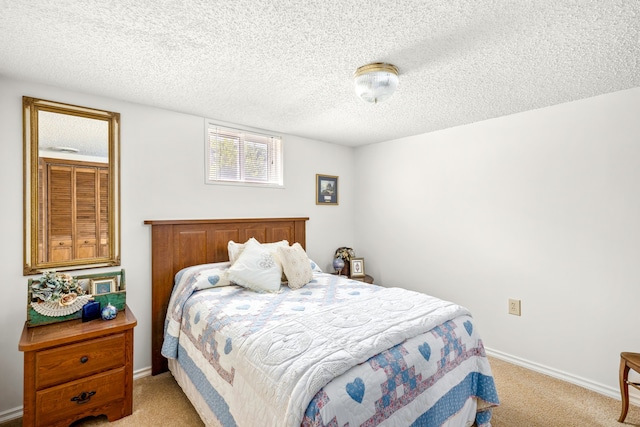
(76,369)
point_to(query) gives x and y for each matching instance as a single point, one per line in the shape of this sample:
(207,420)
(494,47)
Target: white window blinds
(240,156)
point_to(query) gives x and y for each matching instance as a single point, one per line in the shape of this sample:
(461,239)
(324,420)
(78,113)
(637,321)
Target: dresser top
(55,334)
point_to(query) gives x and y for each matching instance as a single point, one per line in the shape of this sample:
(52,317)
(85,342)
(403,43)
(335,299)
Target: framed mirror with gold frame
(71,186)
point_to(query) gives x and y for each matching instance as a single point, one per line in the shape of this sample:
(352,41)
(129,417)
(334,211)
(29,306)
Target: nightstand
(73,370)
(366,278)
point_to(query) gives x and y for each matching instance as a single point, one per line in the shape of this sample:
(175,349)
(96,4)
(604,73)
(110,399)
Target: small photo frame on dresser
(104,285)
(357,267)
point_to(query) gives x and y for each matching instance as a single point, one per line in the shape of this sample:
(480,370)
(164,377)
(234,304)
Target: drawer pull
(84,359)
(83,397)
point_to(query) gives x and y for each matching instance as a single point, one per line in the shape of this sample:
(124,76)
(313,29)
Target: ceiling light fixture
(65,149)
(376,82)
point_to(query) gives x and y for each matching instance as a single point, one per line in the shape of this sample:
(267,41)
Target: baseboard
(141,373)
(10,414)
(612,392)
(15,413)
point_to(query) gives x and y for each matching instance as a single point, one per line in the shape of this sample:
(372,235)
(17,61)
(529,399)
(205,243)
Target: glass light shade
(376,82)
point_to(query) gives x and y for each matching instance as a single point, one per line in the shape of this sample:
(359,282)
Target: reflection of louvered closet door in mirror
(57,218)
(72,190)
(76,220)
(87,218)
(103,213)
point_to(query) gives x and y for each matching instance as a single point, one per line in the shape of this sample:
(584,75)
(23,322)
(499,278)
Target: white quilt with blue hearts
(335,352)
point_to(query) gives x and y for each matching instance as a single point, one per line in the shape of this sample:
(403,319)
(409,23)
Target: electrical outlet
(514,307)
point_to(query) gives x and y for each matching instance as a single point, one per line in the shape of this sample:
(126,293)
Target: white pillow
(256,269)
(296,265)
(235,249)
(212,278)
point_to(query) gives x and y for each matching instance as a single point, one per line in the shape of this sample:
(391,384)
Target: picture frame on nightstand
(357,267)
(103,285)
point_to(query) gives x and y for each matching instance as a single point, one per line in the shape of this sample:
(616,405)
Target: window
(240,156)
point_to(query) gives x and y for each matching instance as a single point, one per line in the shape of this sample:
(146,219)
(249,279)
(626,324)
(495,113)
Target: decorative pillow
(296,265)
(212,278)
(235,249)
(256,269)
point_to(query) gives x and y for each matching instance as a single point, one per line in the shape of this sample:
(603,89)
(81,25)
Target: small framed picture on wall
(326,190)
(357,267)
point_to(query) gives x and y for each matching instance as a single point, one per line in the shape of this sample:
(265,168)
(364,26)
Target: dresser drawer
(82,397)
(73,361)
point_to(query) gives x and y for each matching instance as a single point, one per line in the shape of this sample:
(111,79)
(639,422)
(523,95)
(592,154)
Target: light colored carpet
(531,399)
(528,399)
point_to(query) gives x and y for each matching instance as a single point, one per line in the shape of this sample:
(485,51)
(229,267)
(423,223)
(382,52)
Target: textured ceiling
(287,66)
(59,132)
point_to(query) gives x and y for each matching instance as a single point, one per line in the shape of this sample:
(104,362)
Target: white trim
(141,373)
(11,414)
(605,390)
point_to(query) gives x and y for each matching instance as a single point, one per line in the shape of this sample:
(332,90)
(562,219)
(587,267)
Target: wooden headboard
(176,244)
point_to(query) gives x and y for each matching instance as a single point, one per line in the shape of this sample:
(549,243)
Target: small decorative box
(103,288)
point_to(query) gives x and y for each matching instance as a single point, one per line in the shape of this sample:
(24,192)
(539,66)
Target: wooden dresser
(73,370)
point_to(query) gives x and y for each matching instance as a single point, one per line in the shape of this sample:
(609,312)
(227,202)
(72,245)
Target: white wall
(162,178)
(542,206)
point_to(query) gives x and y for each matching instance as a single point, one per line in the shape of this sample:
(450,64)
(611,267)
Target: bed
(332,352)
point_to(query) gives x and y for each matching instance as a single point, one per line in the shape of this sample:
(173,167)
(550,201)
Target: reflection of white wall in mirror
(89,136)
